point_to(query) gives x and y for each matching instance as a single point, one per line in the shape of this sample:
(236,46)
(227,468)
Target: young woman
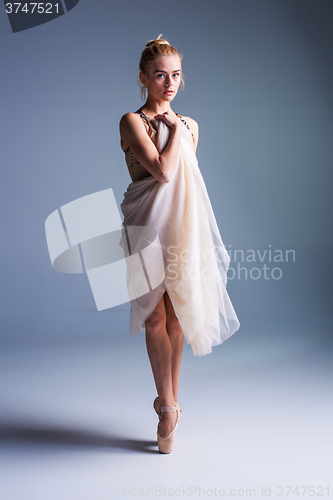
(168,194)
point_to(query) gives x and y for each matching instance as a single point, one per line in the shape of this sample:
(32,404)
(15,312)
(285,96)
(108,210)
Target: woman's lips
(168,92)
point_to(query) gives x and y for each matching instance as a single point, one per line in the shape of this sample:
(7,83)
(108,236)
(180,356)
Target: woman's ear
(143,79)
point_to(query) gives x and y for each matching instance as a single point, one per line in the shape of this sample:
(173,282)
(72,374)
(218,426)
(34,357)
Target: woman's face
(163,78)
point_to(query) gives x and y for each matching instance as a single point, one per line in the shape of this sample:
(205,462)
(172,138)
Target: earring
(143,92)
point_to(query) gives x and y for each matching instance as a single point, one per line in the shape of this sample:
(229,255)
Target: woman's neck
(153,107)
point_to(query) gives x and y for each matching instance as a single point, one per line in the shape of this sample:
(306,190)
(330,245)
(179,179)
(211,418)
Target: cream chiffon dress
(194,257)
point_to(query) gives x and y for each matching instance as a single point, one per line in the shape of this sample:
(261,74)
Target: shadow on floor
(57,435)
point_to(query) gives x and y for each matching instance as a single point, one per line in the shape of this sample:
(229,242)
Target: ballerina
(168,193)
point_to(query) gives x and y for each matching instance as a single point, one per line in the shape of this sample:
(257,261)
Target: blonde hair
(155,49)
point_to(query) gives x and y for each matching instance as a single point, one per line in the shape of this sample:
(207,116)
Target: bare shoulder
(129,120)
(195,130)
(192,123)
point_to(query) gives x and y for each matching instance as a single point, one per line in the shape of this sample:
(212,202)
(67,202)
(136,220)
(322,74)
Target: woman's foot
(167,423)
(165,442)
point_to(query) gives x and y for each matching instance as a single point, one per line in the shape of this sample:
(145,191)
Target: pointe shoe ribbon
(157,407)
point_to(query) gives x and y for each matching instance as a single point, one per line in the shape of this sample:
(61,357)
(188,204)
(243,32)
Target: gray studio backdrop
(258,81)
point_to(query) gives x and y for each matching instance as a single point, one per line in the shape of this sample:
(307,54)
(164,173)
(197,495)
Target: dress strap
(146,120)
(186,125)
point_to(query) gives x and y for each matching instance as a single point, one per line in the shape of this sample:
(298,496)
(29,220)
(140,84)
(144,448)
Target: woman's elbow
(166,174)
(160,174)
(164,179)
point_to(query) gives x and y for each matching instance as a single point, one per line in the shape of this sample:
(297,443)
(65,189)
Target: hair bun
(157,41)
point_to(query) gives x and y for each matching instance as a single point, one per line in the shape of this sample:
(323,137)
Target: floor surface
(77,421)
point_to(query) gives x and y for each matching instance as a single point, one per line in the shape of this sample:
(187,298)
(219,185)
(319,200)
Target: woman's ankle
(167,402)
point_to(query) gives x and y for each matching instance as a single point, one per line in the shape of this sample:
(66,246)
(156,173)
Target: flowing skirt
(195,260)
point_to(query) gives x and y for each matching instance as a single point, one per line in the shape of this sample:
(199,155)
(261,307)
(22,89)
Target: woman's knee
(155,322)
(172,324)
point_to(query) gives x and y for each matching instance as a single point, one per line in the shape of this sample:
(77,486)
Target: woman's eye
(176,74)
(161,74)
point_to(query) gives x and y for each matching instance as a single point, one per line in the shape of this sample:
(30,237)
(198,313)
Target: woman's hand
(170,118)
(134,134)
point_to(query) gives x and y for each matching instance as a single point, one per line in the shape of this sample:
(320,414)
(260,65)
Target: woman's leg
(176,338)
(159,348)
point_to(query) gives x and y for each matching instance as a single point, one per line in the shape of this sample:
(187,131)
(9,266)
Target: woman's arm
(134,133)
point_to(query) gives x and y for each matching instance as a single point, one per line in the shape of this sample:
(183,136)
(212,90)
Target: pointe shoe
(157,406)
(165,444)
